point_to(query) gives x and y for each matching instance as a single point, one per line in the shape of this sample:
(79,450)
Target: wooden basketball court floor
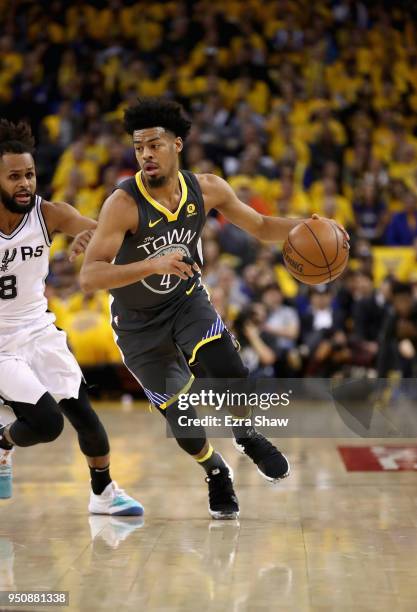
(323,540)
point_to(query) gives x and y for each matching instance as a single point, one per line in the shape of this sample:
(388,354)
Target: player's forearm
(274,229)
(102,275)
(78,225)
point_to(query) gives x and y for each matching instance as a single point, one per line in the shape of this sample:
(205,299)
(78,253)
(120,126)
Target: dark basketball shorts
(159,353)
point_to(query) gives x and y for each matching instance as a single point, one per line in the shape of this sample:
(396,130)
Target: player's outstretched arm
(119,216)
(218,194)
(62,218)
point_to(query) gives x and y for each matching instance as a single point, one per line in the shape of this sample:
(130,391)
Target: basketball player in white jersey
(39,377)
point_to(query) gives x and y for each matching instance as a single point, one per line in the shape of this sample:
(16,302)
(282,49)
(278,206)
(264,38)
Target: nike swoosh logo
(190,290)
(155,222)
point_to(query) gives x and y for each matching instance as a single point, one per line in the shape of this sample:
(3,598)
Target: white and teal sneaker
(5,473)
(114,501)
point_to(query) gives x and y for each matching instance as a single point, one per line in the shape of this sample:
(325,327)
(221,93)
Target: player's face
(17,182)
(157,154)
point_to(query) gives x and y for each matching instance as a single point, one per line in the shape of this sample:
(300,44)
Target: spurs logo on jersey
(160,232)
(8,257)
(24,264)
(25,252)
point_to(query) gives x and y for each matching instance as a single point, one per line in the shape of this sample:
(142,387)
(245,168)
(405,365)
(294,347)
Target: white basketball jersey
(24,264)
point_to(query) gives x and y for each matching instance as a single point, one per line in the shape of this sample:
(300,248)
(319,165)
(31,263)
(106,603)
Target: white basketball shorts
(37,361)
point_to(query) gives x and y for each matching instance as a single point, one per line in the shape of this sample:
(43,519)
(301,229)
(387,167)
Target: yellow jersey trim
(207,455)
(174,398)
(171,216)
(200,344)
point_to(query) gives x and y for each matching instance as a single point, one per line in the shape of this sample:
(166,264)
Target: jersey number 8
(8,289)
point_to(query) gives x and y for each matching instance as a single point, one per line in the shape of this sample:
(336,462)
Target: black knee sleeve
(220,359)
(40,422)
(196,435)
(92,436)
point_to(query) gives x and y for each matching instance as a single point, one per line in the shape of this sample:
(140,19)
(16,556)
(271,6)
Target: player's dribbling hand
(342,229)
(79,244)
(174,263)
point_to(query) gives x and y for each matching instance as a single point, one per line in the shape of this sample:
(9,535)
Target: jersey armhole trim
(44,227)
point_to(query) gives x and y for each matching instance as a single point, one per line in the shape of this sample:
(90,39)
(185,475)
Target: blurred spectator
(282,323)
(324,343)
(334,205)
(369,209)
(403,227)
(369,311)
(398,341)
(257,346)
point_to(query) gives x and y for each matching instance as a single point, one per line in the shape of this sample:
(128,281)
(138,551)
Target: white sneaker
(114,501)
(6,473)
(113,530)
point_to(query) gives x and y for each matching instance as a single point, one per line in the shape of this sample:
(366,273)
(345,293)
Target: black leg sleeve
(220,359)
(196,435)
(92,436)
(40,422)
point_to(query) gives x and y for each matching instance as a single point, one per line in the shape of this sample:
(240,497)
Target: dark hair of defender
(157,112)
(16,138)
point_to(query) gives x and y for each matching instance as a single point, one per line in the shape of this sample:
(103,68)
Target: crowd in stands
(302,106)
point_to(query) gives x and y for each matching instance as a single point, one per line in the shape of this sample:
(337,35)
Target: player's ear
(179,145)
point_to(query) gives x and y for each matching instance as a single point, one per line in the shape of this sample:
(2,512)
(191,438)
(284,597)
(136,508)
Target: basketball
(316,251)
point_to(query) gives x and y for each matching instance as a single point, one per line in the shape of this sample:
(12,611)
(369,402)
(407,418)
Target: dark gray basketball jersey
(160,232)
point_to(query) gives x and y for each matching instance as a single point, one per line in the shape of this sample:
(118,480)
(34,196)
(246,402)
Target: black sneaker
(271,463)
(223,502)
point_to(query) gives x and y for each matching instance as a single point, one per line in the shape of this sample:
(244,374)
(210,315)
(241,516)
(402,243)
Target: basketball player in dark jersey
(146,250)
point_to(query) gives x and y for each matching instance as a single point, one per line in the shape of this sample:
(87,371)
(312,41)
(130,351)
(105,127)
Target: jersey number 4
(8,289)
(166,280)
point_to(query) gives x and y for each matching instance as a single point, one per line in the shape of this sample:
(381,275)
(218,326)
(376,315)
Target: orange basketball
(316,251)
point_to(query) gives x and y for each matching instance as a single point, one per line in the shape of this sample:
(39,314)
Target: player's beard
(13,206)
(161,180)
(156,181)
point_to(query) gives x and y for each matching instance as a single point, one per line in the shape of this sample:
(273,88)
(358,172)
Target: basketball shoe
(114,501)
(271,463)
(5,473)
(223,502)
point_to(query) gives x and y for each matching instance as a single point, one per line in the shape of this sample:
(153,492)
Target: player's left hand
(342,229)
(79,244)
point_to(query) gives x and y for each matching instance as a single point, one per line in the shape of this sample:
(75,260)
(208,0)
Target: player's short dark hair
(16,138)
(157,112)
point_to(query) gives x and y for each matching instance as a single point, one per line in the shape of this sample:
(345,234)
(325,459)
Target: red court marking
(379,458)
